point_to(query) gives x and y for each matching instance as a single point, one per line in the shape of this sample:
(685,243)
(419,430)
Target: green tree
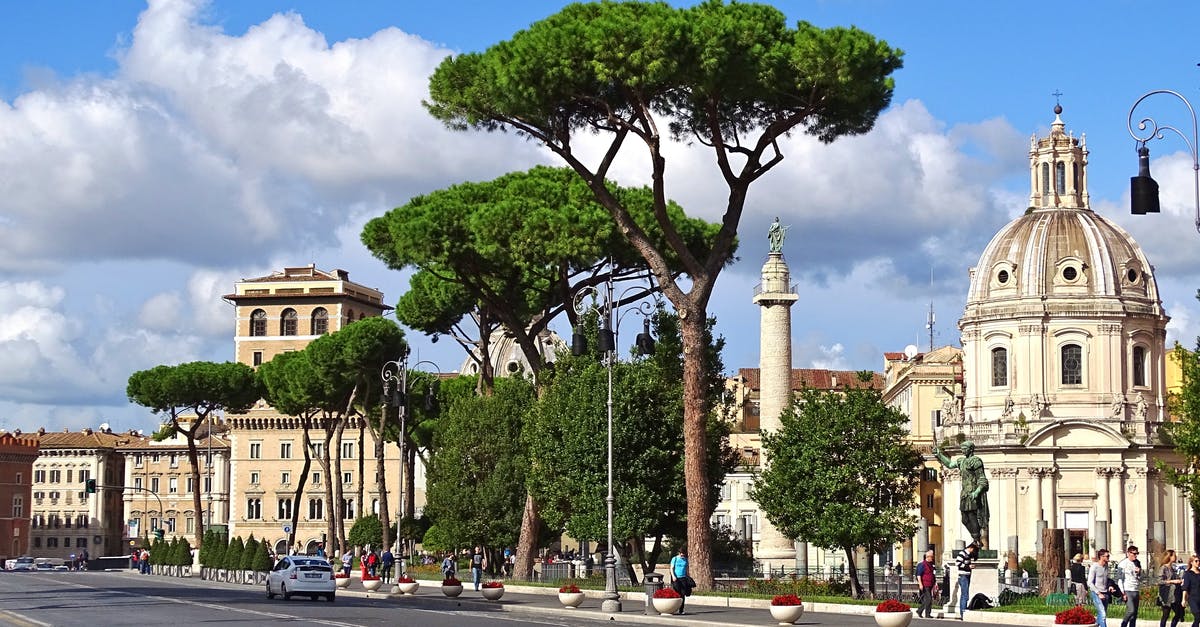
(367,530)
(1183,433)
(250,553)
(732,77)
(262,560)
(183,552)
(186,396)
(842,473)
(233,553)
(476,476)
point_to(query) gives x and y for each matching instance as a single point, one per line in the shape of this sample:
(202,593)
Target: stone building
(1064,385)
(160,486)
(17,455)
(281,312)
(65,518)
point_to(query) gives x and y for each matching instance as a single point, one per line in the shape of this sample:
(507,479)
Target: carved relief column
(1118,507)
(1039,493)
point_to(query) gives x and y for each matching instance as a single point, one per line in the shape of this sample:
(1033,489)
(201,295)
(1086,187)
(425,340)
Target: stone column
(1117,485)
(1105,505)
(775,296)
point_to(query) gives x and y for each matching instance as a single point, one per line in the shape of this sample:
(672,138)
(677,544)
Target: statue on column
(972,503)
(775,235)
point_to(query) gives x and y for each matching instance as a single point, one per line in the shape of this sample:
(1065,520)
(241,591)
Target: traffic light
(158,534)
(90,486)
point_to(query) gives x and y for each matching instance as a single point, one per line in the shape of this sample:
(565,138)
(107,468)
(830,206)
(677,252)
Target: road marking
(21,620)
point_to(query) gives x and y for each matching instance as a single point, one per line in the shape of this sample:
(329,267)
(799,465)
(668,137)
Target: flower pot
(1091,624)
(492,594)
(893,619)
(408,588)
(571,600)
(667,606)
(372,584)
(342,582)
(787,614)
(452,591)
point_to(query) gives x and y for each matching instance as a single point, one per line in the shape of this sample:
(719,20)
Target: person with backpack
(927,578)
(386,562)
(372,562)
(449,566)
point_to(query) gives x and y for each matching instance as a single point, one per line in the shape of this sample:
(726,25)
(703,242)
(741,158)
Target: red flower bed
(451,581)
(370,577)
(494,584)
(892,605)
(569,588)
(1077,615)
(340,575)
(667,593)
(786,599)
(405,579)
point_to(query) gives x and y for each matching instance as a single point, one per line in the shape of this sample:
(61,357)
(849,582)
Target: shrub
(183,553)
(569,589)
(1077,615)
(667,593)
(249,553)
(892,605)
(233,554)
(786,599)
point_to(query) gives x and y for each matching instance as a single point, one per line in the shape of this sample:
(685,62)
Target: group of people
(373,562)
(139,560)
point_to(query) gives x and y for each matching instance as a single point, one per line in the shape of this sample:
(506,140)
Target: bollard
(654,583)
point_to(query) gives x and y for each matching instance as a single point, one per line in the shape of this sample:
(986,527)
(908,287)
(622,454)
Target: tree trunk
(194,460)
(856,589)
(298,499)
(362,465)
(695,447)
(1051,560)
(871,574)
(410,481)
(385,520)
(327,467)
(339,528)
(531,529)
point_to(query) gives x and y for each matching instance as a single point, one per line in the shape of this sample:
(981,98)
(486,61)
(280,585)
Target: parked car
(296,574)
(23,564)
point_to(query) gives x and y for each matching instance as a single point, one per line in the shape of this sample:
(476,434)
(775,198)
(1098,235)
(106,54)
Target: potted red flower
(666,601)
(492,590)
(1077,615)
(341,579)
(407,585)
(893,613)
(786,608)
(451,586)
(570,596)
(371,582)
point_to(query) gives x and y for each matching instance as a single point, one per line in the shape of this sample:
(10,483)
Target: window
(929,474)
(285,450)
(154,457)
(1072,364)
(347,450)
(1045,179)
(51,543)
(1060,177)
(18,506)
(258,323)
(190,524)
(253,509)
(55,476)
(81,543)
(254,478)
(999,367)
(258,358)
(81,521)
(285,509)
(1139,365)
(191,485)
(347,509)
(173,485)
(84,475)
(174,460)
(928,501)
(39,476)
(287,322)
(256,450)
(318,449)
(154,524)
(154,484)
(320,321)
(70,473)
(171,524)
(20,478)
(208,484)
(347,478)
(285,478)
(137,483)
(316,478)
(316,509)
(137,460)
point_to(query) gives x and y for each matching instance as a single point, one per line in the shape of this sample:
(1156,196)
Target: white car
(297,574)
(24,564)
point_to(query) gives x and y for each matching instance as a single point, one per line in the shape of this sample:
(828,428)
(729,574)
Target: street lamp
(607,345)
(1143,189)
(395,394)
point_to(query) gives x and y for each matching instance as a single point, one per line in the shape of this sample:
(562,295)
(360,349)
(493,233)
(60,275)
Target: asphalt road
(99,598)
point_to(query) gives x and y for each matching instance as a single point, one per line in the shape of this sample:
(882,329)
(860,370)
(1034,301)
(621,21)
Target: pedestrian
(133,561)
(1078,578)
(372,562)
(386,562)
(1097,583)
(84,560)
(144,561)
(927,579)
(1130,572)
(1168,589)
(1191,589)
(681,581)
(1024,578)
(321,550)
(449,566)
(965,563)
(347,559)
(477,565)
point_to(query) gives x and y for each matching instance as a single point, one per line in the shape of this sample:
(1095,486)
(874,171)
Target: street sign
(287,528)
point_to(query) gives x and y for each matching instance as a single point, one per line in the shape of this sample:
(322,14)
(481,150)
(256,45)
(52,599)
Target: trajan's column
(775,295)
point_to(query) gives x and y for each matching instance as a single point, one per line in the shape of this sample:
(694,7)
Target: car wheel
(270,595)
(283,591)
(331,597)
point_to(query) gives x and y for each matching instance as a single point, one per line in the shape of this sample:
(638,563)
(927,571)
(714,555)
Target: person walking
(1191,589)
(681,582)
(1078,578)
(1168,589)
(386,562)
(965,563)
(347,559)
(927,578)
(1130,573)
(449,567)
(1097,583)
(477,565)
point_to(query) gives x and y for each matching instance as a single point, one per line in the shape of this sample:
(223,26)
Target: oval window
(1002,277)
(1132,275)
(1070,273)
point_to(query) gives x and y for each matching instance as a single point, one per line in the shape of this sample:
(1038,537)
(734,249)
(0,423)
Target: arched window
(287,322)
(258,323)
(1075,176)
(1045,179)
(999,367)
(285,509)
(316,509)
(320,321)
(1072,364)
(1060,177)
(1139,365)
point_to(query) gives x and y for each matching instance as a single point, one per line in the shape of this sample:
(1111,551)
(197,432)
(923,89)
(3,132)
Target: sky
(153,154)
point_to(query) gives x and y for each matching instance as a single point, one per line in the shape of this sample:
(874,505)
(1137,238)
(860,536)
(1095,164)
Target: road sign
(287,528)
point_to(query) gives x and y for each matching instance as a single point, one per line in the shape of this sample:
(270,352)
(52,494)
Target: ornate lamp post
(1144,190)
(395,394)
(607,344)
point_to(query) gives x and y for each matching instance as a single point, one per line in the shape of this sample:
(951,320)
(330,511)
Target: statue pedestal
(985,580)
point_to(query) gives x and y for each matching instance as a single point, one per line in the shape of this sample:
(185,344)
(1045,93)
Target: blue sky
(153,154)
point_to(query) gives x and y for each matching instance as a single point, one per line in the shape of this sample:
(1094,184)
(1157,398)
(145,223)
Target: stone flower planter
(571,600)
(408,588)
(342,582)
(452,591)
(492,594)
(787,614)
(372,585)
(893,619)
(667,606)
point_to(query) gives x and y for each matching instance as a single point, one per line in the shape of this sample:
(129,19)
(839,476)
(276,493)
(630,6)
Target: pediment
(1076,433)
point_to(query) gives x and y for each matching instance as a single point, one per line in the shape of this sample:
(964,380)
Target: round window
(514,367)
(1070,273)
(1132,275)
(1002,277)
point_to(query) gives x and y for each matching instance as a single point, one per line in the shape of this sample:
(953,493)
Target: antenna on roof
(931,319)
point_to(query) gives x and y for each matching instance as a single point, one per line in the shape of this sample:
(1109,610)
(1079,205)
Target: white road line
(21,619)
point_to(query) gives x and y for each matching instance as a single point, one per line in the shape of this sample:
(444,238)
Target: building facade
(160,487)
(17,455)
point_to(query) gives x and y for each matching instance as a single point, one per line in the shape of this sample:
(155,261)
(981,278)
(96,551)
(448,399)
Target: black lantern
(578,343)
(1143,190)
(645,343)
